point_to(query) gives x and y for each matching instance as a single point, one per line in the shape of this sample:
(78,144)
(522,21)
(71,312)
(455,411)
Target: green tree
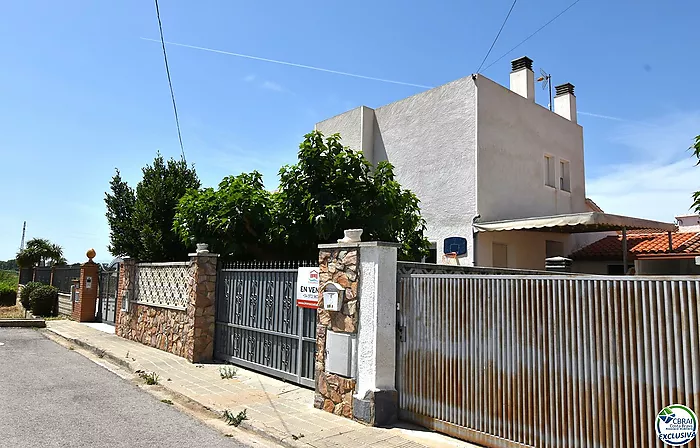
(330,189)
(235,219)
(333,188)
(696,153)
(9,265)
(123,235)
(141,220)
(40,252)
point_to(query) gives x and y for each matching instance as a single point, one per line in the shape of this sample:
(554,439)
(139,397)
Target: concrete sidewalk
(276,410)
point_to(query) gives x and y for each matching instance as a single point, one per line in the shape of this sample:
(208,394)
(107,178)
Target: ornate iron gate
(107,309)
(258,324)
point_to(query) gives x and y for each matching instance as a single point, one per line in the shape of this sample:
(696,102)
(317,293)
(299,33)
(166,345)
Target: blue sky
(82,93)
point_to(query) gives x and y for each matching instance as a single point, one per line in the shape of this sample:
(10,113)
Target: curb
(91,348)
(271,435)
(24,323)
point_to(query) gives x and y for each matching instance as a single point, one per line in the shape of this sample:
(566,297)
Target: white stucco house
(482,158)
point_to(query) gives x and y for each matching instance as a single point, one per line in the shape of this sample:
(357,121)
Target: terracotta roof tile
(610,247)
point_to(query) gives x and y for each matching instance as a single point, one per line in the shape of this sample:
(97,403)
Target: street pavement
(51,396)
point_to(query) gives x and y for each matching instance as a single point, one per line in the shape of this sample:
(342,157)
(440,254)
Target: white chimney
(688,223)
(565,102)
(522,78)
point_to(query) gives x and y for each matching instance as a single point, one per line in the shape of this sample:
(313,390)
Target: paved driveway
(53,397)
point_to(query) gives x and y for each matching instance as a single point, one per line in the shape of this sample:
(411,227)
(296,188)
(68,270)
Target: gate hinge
(401,329)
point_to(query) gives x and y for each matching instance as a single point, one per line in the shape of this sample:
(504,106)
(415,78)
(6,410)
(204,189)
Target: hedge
(26,291)
(8,295)
(44,300)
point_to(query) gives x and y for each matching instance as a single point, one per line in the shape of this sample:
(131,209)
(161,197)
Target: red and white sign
(307,287)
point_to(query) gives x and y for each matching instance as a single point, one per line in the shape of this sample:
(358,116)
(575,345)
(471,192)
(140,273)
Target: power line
(497,35)
(170,83)
(531,35)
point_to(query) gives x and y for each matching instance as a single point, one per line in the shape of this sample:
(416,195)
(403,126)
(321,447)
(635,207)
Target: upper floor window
(549,175)
(564,178)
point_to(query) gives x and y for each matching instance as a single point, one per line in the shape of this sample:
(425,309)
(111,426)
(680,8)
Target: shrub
(43,300)
(8,295)
(26,291)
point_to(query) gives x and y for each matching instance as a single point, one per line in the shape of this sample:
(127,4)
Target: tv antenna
(546,80)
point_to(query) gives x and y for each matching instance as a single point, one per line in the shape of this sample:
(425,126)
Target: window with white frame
(564,179)
(549,175)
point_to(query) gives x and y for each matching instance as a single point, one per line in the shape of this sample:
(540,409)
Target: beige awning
(575,223)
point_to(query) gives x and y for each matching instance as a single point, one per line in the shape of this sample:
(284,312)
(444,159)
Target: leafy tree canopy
(40,251)
(333,188)
(330,189)
(141,220)
(696,152)
(234,220)
(9,265)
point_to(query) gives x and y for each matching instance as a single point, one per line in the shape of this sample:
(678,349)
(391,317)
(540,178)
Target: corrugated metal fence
(547,361)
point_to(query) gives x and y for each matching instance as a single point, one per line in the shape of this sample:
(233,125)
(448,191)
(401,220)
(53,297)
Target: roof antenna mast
(546,80)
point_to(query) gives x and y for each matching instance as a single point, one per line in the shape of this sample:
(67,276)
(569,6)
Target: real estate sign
(307,287)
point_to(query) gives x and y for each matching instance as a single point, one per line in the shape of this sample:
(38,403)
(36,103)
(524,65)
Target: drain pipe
(474,232)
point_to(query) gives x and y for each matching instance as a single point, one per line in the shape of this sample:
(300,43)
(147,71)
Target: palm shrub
(8,295)
(26,291)
(43,300)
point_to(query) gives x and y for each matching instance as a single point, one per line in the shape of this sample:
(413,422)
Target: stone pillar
(367,272)
(84,309)
(201,311)
(125,292)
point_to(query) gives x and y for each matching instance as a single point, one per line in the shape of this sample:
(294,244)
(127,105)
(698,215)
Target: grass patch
(227,372)
(151,378)
(166,401)
(235,420)
(11,312)
(9,278)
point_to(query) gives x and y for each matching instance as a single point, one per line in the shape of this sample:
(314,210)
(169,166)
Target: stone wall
(334,393)
(162,328)
(188,333)
(201,310)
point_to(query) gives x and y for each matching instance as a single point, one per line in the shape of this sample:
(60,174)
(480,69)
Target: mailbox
(333,295)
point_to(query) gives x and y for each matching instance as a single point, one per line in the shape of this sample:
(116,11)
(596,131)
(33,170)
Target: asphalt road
(53,397)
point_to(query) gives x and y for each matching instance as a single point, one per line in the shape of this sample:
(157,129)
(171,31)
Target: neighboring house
(653,253)
(481,158)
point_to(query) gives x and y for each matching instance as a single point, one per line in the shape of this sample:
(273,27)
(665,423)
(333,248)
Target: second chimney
(522,78)
(565,102)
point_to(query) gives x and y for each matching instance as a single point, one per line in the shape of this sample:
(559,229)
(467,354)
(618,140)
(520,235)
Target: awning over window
(575,223)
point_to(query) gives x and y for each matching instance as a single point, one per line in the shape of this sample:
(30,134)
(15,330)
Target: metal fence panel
(547,360)
(25,275)
(63,277)
(258,324)
(109,281)
(43,275)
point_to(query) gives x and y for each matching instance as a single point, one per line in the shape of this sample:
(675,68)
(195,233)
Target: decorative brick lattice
(163,285)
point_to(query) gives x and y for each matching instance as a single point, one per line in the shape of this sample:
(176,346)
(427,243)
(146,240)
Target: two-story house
(482,158)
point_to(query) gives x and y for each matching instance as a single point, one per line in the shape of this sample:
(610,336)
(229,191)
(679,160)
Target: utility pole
(24,230)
